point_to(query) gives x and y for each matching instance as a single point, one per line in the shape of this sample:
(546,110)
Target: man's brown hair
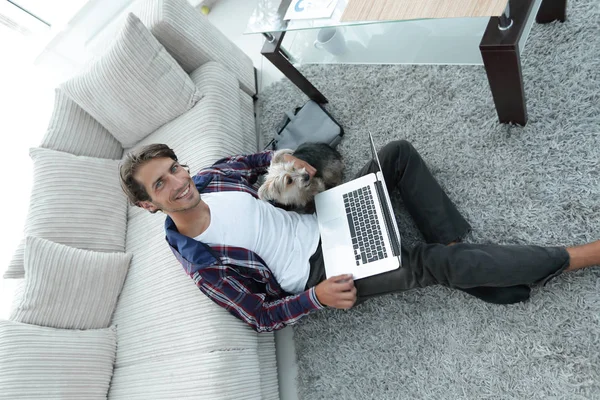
(134,190)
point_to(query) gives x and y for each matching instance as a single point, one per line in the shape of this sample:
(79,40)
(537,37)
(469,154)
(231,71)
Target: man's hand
(337,291)
(299,164)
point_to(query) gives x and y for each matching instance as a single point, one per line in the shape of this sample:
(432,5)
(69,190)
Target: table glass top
(450,41)
(268,17)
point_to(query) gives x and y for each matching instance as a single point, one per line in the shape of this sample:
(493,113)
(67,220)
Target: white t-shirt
(284,240)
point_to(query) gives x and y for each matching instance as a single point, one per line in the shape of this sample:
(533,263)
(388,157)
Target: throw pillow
(135,87)
(47,363)
(76,201)
(69,288)
(74,131)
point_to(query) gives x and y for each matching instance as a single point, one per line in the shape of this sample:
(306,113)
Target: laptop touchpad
(338,261)
(335,233)
(328,210)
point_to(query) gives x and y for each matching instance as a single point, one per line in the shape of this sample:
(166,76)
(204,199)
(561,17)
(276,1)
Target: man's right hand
(337,291)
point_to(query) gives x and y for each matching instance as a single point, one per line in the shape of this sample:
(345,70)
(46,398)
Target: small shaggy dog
(294,188)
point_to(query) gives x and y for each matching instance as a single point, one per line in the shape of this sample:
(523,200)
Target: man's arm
(252,308)
(249,166)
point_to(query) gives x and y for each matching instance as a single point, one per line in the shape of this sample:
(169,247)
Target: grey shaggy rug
(537,184)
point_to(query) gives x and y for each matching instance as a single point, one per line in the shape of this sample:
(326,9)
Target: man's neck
(193,222)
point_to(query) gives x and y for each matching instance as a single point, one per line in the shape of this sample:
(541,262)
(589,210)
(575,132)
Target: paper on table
(310,9)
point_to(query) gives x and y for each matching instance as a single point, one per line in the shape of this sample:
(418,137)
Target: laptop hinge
(388,218)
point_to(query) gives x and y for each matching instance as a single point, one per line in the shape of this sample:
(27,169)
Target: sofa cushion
(193,41)
(135,87)
(161,312)
(219,375)
(76,201)
(47,363)
(74,131)
(167,328)
(69,288)
(213,128)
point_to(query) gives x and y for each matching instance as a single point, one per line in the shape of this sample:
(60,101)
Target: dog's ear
(263,191)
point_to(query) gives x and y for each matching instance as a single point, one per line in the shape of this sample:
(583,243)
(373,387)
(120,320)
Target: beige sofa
(172,342)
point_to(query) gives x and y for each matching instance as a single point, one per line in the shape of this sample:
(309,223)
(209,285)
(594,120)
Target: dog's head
(287,185)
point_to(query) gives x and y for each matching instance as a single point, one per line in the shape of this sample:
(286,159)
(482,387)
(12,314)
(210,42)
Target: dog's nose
(306,177)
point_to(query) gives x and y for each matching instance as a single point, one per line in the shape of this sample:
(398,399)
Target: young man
(265,265)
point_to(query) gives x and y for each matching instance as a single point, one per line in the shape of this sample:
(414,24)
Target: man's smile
(183,194)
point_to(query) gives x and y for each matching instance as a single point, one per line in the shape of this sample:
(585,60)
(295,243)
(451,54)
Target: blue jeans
(494,273)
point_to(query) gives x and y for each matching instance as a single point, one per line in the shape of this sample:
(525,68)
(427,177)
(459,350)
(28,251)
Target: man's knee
(403,144)
(398,148)
(395,155)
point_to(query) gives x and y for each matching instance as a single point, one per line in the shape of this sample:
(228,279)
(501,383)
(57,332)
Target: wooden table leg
(503,69)
(552,10)
(273,52)
(501,57)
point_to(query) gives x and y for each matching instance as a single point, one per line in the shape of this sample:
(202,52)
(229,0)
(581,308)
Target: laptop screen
(374,152)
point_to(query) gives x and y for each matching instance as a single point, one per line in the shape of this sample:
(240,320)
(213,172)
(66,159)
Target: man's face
(169,185)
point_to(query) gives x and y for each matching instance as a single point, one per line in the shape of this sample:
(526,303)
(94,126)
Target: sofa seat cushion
(76,201)
(47,363)
(74,131)
(213,128)
(160,311)
(191,374)
(69,288)
(135,87)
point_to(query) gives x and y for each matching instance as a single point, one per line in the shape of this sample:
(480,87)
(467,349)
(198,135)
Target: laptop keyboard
(364,226)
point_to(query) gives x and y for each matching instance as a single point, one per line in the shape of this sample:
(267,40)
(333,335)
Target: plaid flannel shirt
(236,278)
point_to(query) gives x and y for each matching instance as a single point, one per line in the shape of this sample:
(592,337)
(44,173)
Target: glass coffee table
(496,43)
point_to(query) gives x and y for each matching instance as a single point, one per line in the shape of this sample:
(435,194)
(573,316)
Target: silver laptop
(359,234)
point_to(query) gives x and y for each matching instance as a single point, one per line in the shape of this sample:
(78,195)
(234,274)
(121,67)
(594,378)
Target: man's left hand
(299,164)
